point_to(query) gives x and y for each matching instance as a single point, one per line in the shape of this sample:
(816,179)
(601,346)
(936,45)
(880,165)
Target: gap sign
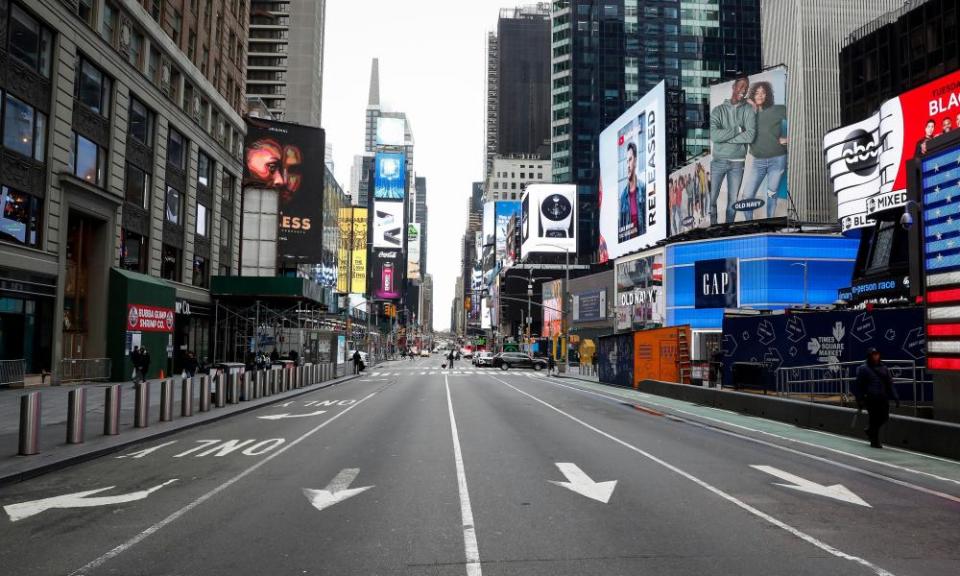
(716,283)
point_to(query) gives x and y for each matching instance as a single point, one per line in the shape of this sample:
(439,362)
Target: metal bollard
(166,400)
(111,410)
(285,380)
(76,416)
(298,377)
(29,424)
(141,406)
(247,389)
(233,389)
(258,384)
(186,397)
(219,395)
(270,385)
(205,393)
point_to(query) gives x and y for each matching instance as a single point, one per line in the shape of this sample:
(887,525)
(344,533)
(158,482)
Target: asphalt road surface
(414,470)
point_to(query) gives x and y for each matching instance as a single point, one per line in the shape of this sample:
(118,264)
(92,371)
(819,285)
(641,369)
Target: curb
(98,452)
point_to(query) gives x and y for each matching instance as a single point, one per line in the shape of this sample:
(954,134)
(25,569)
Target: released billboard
(548,219)
(867,160)
(413,251)
(289,158)
(390,176)
(504,211)
(387,273)
(391,131)
(388,228)
(633,177)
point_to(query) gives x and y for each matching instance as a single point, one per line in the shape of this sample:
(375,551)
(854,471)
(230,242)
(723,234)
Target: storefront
(141,314)
(591,314)
(758,272)
(27,303)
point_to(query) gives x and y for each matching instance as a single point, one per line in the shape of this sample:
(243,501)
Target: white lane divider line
(717,491)
(94,564)
(470,547)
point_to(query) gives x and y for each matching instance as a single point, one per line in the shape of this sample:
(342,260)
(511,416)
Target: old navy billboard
(867,160)
(289,158)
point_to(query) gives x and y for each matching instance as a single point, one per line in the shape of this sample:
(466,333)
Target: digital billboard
(289,158)
(639,284)
(390,176)
(358,257)
(388,228)
(512,252)
(387,273)
(344,248)
(548,219)
(552,308)
(413,251)
(633,178)
(504,211)
(489,223)
(391,131)
(867,160)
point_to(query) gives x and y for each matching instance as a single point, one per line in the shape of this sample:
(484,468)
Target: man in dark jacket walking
(874,389)
(357,361)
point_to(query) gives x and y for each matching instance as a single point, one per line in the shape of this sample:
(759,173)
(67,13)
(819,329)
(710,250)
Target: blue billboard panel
(502,214)
(390,177)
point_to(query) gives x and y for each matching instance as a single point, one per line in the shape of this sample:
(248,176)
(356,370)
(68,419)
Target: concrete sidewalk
(56,453)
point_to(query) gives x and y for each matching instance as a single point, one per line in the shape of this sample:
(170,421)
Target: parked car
(483,358)
(508,360)
(424,353)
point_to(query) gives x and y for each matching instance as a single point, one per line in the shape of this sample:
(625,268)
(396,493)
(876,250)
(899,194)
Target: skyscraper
(421,216)
(813,85)
(285,58)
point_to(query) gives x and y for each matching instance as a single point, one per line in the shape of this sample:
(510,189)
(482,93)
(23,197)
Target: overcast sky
(432,66)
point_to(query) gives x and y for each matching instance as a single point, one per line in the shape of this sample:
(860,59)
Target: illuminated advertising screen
(548,219)
(413,251)
(344,249)
(639,299)
(289,158)
(504,211)
(633,178)
(512,252)
(387,273)
(391,131)
(867,160)
(552,308)
(388,228)
(489,223)
(941,257)
(390,176)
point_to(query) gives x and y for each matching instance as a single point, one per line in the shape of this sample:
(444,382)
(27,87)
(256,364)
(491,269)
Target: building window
(24,128)
(176,149)
(173,204)
(203,220)
(133,252)
(141,122)
(85,11)
(170,263)
(192,45)
(204,170)
(156,9)
(88,160)
(153,66)
(226,187)
(19,217)
(200,271)
(108,23)
(176,23)
(30,41)
(136,49)
(225,233)
(137,186)
(93,88)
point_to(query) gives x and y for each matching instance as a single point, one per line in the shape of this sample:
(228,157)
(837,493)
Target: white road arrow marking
(77,500)
(282,416)
(837,491)
(579,482)
(336,491)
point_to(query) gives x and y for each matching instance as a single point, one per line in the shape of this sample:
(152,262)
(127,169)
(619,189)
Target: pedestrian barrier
(76,416)
(286,380)
(247,391)
(141,405)
(205,393)
(220,391)
(166,400)
(186,397)
(29,424)
(259,379)
(273,382)
(11,372)
(111,410)
(83,370)
(233,389)
(300,381)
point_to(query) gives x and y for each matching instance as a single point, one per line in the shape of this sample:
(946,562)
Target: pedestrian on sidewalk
(357,360)
(450,358)
(135,359)
(190,364)
(874,390)
(551,365)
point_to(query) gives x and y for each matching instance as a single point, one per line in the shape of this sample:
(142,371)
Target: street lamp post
(804,264)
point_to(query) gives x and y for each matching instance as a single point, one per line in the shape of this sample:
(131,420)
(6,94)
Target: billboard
(387,273)
(552,308)
(358,256)
(640,300)
(503,211)
(512,247)
(633,177)
(867,160)
(344,249)
(390,176)
(391,131)
(590,306)
(388,224)
(289,158)
(413,251)
(489,223)
(548,218)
